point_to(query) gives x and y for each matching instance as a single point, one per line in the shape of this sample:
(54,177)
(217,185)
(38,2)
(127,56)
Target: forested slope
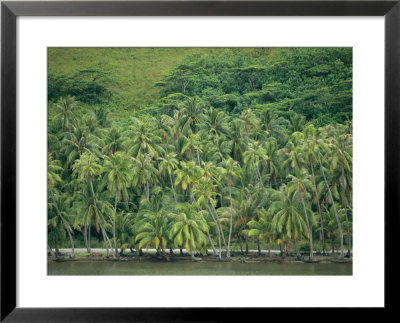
(200,148)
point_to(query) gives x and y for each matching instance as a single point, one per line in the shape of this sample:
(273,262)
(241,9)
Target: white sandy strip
(153,251)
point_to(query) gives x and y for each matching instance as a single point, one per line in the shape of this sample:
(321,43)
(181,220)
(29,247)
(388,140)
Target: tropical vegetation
(226,148)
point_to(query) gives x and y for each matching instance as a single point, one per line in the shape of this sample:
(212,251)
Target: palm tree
(66,105)
(58,201)
(262,228)
(235,135)
(270,161)
(232,170)
(190,115)
(143,172)
(331,224)
(287,218)
(78,141)
(117,169)
(125,230)
(254,154)
(192,145)
(187,175)
(168,164)
(274,125)
(300,186)
(61,203)
(144,140)
(189,227)
(114,139)
(152,222)
(249,121)
(205,192)
(332,201)
(311,148)
(340,156)
(164,125)
(214,123)
(87,168)
(297,122)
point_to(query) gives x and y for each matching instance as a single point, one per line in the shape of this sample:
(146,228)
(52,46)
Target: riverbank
(99,255)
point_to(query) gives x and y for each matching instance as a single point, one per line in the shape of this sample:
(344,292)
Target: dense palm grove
(238,150)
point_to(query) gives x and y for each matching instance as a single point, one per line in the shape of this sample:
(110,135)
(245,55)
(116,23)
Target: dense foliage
(241,146)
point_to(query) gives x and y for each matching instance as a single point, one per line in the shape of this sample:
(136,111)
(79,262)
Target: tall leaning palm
(300,186)
(205,191)
(58,201)
(311,148)
(118,170)
(232,170)
(341,157)
(332,201)
(87,168)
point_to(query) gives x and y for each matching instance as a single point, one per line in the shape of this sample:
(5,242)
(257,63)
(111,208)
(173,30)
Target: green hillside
(129,73)
(202,149)
(313,82)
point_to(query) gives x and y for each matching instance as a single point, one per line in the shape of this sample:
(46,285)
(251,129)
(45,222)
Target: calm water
(198,268)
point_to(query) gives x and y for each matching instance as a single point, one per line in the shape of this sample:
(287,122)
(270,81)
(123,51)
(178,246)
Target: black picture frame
(10,10)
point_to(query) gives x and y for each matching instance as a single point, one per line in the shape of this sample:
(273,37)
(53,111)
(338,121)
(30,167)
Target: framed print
(150,190)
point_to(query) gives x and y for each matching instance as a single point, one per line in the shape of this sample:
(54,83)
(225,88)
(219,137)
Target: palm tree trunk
(191,249)
(172,187)
(65,226)
(114,222)
(105,237)
(321,221)
(219,243)
(269,247)
(298,255)
(309,228)
(148,191)
(219,225)
(259,176)
(259,247)
(198,156)
(217,228)
(347,219)
(56,246)
(334,208)
(247,245)
(240,244)
(212,244)
(51,252)
(228,250)
(85,237)
(88,241)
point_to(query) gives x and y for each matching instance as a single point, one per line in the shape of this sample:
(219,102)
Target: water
(196,268)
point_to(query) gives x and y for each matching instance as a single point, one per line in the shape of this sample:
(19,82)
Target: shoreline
(98,255)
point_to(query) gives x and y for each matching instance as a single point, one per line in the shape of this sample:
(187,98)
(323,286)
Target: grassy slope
(133,71)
